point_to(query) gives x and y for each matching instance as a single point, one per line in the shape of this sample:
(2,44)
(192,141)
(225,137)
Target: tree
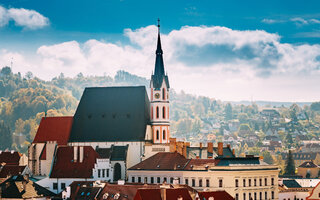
(315,106)
(267,157)
(290,167)
(228,111)
(6,71)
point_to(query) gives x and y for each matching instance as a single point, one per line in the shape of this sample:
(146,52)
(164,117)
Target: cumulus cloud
(28,19)
(214,61)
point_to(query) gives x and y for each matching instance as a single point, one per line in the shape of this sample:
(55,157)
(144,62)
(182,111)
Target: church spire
(159,66)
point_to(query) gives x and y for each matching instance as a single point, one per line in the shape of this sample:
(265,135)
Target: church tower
(159,108)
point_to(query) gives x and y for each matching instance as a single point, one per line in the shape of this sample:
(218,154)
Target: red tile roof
(126,191)
(217,195)
(155,194)
(54,129)
(173,161)
(11,170)
(10,158)
(65,167)
(163,161)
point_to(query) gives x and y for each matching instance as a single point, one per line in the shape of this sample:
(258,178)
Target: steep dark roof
(111,114)
(291,183)
(87,193)
(308,164)
(54,129)
(159,74)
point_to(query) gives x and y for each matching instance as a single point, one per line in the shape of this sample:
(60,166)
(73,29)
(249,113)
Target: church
(121,124)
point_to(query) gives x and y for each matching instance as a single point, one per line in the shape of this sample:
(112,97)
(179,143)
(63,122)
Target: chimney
(220,149)
(163,193)
(173,144)
(228,145)
(184,150)
(233,152)
(81,154)
(200,145)
(210,147)
(75,154)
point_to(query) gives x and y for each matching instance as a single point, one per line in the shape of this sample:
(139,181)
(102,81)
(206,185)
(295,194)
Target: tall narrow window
(220,183)
(237,196)
(186,181)
(266,195)
(207,183)
(265,181)
(260,196)
(163,112)
(132,179)
(272,181)
(244,182)
(237,183)
(152,180)
(272,195)
(260,180)
(163,94)
(157,112)
(200,182)
(249,182)
(193,182)
(164,135)
(158,135)
(244,196)
(151,112)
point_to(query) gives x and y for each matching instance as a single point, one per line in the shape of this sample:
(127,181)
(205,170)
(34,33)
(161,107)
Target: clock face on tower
(157,95)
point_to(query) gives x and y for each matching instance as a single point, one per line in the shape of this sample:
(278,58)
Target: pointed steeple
(159,66)
(159,72)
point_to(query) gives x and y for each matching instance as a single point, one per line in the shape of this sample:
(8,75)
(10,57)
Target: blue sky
(268,50)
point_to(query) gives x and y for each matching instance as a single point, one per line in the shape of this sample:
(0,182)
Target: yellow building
(308,170)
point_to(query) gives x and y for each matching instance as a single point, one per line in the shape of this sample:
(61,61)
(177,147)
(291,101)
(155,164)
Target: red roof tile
(163,161)
(11,170)
(155,194)
(173,161)
(126,191)
(65,167)
(54,129)
(10,158)
(217,195)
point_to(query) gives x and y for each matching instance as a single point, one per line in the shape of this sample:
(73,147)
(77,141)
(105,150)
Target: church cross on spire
(158,25)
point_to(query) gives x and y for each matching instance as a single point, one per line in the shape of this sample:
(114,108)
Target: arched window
(157,112)
(164,135)
(163,112)
(117,172)
(157,134)
(163,94)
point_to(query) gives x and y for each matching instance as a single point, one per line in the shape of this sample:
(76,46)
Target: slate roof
(10,157)
(115,153)
(11,170)
(155,194)
(300,156)
(173,161)
(107,114)
(54,129)
(13,188)
(291,183)
(238,161)
(308,164)
(217,195)
(159,74)
(65,167)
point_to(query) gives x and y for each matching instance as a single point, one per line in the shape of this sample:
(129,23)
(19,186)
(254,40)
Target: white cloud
(28,19)
(271,21)
(214,61)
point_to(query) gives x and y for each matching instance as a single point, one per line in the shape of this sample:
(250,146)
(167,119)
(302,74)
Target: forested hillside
(25,99)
